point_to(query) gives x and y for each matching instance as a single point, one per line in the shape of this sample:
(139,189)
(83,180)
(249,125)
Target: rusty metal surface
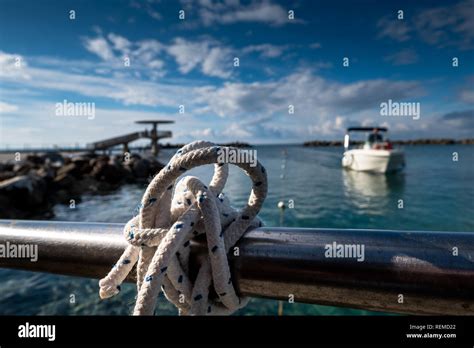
(281,263)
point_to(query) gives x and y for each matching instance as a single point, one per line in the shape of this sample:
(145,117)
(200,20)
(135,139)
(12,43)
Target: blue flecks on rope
(164,234)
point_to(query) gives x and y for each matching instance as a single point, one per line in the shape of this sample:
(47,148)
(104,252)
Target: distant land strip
(396,142)
(233,144)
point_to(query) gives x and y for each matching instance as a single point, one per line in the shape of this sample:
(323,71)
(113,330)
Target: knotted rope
(171,214)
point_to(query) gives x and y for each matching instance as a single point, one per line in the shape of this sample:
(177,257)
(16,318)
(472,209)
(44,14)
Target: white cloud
(237,131)
(254,110)
(148,6)
(37,125)
(439,26)
(7,108)
(13,65)
(218,62)
(212,58)
(233,11)
(100,47)
(124,89)
(394,28)
(188,54)
(448,25)
(238,99)
(114,48)
(207,55)
(329,126)
(460,119)
(206,133)
(119,42)
(310,94)
(266,50)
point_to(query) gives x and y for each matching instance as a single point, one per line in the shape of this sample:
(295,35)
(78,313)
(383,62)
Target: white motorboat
(376,155)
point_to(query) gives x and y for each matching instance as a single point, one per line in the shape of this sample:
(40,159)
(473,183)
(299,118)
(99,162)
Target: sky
(139,60)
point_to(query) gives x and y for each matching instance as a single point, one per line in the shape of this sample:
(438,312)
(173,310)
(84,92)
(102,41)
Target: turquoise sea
(437,194)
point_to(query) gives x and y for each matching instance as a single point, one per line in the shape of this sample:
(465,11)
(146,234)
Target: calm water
(437,194)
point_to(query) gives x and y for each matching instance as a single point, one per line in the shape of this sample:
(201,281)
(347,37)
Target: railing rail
(402,271)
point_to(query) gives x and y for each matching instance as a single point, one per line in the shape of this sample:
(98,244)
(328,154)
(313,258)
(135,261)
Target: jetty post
(154,135)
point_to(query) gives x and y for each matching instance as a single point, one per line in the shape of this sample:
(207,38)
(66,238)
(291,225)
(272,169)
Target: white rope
(171,214)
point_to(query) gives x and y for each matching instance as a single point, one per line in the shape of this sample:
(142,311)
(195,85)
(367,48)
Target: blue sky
(189,62)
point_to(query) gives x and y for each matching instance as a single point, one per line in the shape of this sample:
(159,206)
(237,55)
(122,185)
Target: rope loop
(173,211)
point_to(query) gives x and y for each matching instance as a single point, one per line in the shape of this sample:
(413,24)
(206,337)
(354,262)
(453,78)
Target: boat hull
(370,160)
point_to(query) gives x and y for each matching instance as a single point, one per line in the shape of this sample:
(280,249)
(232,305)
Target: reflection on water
(372,193)
(436,191)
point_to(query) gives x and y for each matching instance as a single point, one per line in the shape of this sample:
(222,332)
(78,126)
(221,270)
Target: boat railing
(412,272)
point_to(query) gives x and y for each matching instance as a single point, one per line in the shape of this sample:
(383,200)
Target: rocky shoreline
(30,188)
(325,143)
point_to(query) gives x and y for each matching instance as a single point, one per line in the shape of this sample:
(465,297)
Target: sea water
(434,192)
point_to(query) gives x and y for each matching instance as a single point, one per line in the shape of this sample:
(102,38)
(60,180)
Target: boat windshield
(375,140)
(374,137)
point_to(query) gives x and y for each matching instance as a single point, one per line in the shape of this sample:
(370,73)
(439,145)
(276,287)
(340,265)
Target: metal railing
(401,272)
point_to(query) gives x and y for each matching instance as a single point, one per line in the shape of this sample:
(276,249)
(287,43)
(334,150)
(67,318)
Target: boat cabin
(374,140)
